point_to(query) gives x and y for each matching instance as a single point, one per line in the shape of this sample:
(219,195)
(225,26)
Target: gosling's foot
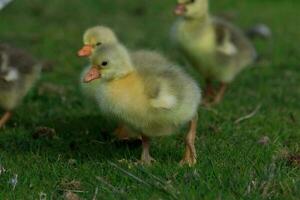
(147,160)
(190,161)
(5,118)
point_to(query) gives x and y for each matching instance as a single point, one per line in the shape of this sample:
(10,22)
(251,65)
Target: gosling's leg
(220,94)
(209,89)
(5,118)
(146,157)
(208,92)
(190,155)
(122,133)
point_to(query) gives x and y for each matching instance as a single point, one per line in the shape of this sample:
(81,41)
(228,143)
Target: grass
(231,164)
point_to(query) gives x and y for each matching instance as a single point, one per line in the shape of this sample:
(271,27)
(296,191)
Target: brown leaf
(71,196)
(294,160)
(71,185)
(44,132)
(265,140)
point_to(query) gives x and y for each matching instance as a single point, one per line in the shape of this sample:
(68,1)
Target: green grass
(231,163)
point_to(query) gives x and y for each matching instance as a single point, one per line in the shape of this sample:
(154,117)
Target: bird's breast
(127,95)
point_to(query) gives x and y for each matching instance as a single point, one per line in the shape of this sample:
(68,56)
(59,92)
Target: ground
(246,160)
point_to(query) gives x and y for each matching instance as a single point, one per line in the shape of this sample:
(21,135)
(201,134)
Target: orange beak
(180,9)
(85,51)
(92,74)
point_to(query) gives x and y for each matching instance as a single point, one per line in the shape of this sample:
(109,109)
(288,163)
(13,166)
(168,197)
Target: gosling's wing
(231,41)
(162,85)
(224,35)
(159,76)
(164,98)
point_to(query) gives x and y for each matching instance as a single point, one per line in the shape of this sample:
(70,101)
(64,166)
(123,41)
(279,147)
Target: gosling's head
(191,8)
(110,62)
(94,38)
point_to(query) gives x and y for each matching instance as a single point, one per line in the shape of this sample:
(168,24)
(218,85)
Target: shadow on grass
(87,137)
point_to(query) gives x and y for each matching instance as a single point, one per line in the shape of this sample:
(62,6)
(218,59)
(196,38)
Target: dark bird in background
(18,72)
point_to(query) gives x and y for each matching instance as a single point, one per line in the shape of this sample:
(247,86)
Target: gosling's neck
(194,22)
(124,75)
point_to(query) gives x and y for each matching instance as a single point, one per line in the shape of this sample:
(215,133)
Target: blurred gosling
(18,72)
(214,47)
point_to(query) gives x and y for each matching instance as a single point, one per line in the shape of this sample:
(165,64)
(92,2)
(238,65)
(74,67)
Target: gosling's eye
(104,63)
(98,44)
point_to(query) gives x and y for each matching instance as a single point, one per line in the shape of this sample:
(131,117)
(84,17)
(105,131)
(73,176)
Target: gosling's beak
(92,74)
(85,51)
(180,9)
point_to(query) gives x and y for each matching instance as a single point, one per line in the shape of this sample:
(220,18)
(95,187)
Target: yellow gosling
(154,99)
